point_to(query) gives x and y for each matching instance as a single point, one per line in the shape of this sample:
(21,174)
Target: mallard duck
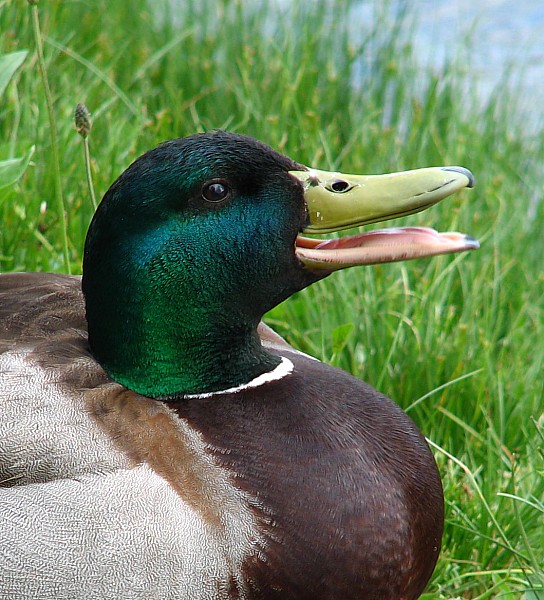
(158,441)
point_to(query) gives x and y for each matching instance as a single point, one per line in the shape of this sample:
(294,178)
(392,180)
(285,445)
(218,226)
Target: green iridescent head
(199,237)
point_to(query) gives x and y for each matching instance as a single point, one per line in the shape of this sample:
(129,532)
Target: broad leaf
(12,169)
(9,63)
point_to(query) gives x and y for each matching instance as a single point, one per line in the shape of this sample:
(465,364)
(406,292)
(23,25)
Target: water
(497,35)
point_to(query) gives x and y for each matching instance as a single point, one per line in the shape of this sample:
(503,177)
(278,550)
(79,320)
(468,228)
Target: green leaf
(9,63)
(12,170)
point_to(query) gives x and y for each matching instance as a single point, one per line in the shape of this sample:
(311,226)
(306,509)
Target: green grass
(457,341)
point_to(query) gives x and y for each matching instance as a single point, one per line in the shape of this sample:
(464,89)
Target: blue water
(500,35)
(498,42)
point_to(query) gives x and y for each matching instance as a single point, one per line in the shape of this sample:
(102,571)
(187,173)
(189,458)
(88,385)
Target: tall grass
(457,341)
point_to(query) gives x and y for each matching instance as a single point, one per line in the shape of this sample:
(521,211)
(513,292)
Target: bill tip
(468,174)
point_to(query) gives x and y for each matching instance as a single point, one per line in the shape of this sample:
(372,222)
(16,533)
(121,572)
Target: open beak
(337,201)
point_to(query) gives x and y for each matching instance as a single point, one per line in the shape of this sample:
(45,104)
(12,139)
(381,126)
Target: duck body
(286,478)
(289,491)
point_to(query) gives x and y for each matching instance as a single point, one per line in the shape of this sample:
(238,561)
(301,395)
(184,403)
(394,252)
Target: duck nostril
(340,186)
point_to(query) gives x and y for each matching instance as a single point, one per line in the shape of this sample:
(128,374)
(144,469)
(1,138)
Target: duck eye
(215,191)
(340,186)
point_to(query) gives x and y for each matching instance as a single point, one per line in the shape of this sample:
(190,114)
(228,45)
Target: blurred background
(366,87)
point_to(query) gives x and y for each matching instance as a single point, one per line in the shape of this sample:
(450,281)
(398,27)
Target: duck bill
(337,201)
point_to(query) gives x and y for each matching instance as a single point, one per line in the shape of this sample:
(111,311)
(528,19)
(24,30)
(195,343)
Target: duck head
(201,236)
